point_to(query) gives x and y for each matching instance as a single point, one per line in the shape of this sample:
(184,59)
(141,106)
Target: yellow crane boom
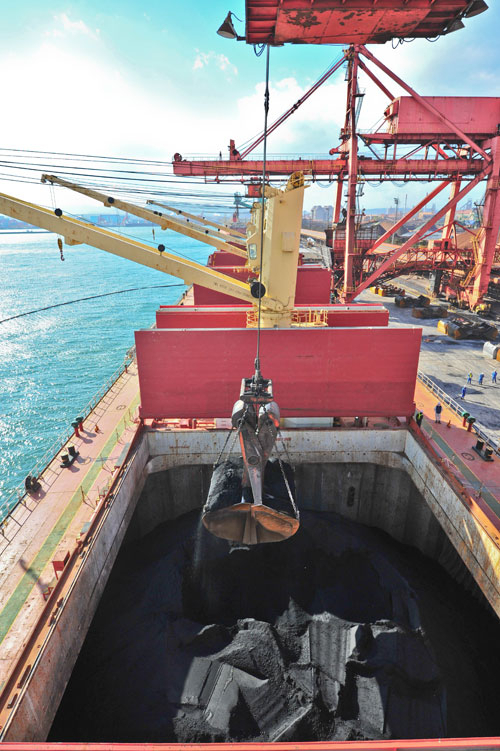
(234,233)
(76,231)
(165,222)
(276,262)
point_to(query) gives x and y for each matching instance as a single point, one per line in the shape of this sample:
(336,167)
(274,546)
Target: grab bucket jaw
(251,501)
(250,524)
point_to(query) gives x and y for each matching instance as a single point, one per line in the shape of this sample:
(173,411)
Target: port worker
(481,379)
(469,377)
(463,393)
(419,416)
(437,412)
(494,376)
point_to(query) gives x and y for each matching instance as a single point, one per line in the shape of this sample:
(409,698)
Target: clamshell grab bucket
(230,513)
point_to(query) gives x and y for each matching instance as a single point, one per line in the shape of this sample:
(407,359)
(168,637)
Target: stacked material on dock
(430,311)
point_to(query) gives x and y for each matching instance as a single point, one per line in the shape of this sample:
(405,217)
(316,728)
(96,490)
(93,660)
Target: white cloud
(77,103)
(81,102)
(313,127)
(204,59)
(64,25)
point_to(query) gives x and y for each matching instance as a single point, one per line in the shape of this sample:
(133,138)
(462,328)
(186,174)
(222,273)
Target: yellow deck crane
(271,248)
(280,251)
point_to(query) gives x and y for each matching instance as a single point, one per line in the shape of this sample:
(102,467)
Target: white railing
(459,409)
(16,495)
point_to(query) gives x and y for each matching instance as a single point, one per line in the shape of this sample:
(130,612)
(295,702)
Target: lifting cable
(91,297)
(263,190)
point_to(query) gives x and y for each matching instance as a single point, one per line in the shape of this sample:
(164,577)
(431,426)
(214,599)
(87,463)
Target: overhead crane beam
(164,222)
(76,231)
(382,169)
(345,21)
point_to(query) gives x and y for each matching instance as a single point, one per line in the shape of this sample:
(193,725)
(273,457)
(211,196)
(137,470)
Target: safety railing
(51,595)
(458,409)
(15,496)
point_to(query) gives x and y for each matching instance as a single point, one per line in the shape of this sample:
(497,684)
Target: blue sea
(53,362)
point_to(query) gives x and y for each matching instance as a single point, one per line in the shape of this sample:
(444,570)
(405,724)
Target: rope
(289,460)
(91,297)
(233,433)
(264,160)
(295,509)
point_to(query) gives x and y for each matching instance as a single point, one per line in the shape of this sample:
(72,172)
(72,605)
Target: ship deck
(46,530)
(46,527)
(453,445)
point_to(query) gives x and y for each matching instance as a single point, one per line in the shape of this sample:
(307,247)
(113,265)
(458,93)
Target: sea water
(54,361)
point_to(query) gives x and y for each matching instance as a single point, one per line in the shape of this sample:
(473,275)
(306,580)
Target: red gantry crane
(453,141)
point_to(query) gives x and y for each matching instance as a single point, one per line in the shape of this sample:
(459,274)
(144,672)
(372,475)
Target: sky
(146,80)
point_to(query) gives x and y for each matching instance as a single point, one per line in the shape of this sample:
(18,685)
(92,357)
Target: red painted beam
(346,21)
(436,744)
(220,168)
(409,214)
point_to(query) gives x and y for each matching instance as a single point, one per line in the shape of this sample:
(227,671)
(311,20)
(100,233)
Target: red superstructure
(368,371)
(347,21)
(450,140)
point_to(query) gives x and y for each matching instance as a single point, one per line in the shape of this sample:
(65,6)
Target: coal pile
(337,633)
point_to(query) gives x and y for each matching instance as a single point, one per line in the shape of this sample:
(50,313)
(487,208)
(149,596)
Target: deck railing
(16,495)
(458,408)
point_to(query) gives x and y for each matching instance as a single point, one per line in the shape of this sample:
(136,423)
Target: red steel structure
(361,21)
(452,140)
(369,371)
(440,744)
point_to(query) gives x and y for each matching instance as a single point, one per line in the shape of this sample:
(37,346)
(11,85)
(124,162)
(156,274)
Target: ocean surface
(54,361)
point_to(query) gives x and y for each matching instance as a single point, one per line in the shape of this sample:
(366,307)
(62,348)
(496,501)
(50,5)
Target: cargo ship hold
(250,539)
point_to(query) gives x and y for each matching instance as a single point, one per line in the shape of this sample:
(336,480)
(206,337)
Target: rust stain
(304,18)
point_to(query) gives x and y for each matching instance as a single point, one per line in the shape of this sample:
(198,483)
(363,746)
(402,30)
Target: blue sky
(147,80)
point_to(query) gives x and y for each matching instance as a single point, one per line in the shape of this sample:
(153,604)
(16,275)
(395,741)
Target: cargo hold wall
(382,478)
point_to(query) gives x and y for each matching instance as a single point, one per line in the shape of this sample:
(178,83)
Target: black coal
(337,633)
